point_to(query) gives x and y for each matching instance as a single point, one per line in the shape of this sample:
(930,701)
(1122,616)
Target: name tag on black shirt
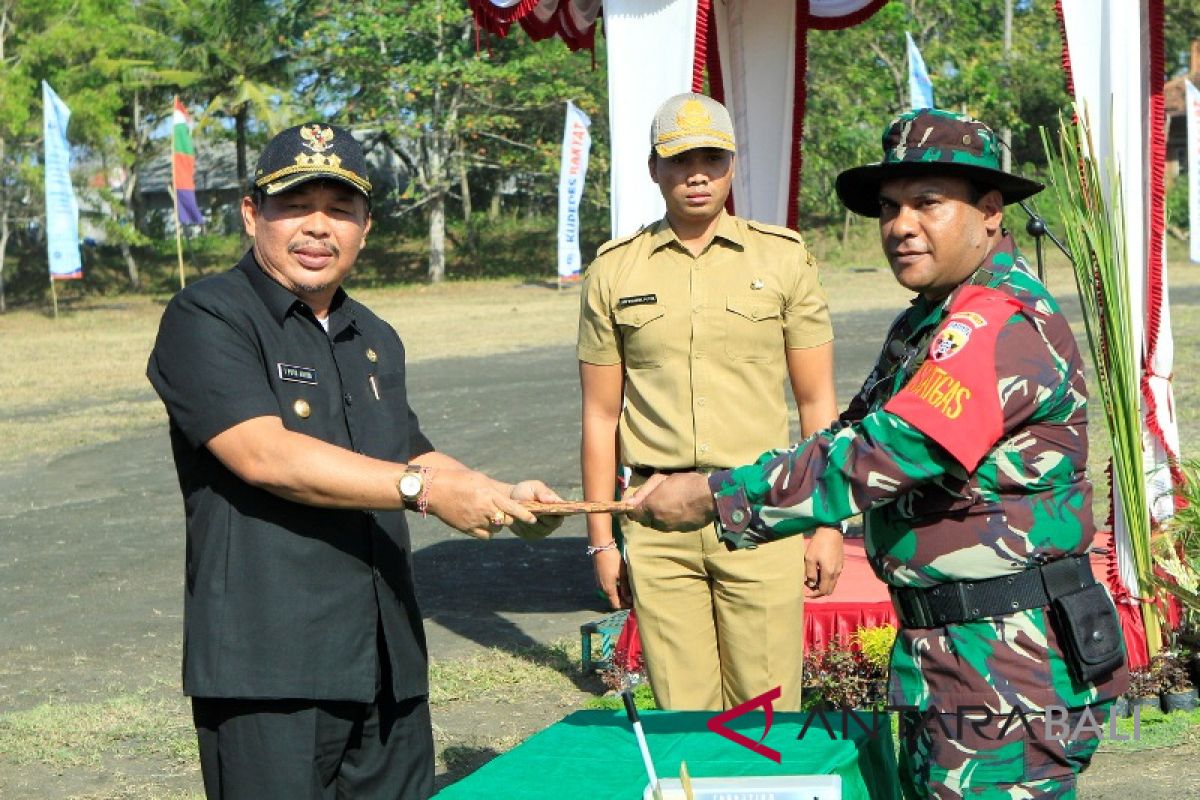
(290,372)
(637,300)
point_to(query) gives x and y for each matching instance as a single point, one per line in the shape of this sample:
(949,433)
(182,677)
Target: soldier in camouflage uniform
(965,451)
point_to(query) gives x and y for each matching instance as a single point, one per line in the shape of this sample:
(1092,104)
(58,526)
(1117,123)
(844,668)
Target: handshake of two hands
(480,506)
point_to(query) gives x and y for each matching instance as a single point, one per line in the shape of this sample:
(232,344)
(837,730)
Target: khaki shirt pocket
(753,329)
(643,335)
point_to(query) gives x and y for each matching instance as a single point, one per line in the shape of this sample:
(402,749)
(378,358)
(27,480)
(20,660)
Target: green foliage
(1181,24)
(875,644)
(1176,550)
(1169,672)
(463,120)
(476,120)
(643,698)
(858,81)
(1142,683)
(1178,212)
(840,676)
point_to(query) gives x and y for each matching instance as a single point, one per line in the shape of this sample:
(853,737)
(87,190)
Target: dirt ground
(91,556)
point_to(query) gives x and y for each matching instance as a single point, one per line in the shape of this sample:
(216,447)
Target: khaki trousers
(718,627)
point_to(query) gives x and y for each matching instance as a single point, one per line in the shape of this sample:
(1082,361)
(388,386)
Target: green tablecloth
(594,755)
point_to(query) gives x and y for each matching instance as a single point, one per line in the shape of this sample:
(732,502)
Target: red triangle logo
(718,724)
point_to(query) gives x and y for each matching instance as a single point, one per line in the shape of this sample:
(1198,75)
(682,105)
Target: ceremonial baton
(565,508)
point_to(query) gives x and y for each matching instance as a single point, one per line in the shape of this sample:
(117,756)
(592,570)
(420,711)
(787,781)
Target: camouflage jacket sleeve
(882,457)
(829,477)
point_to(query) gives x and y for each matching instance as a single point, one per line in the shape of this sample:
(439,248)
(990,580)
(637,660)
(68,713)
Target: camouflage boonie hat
(690,121)
(310,151)
(932,142)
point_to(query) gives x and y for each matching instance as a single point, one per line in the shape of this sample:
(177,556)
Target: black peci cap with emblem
(308,152)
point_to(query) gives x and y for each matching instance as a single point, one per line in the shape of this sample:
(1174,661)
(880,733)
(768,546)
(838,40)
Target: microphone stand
(1036,227)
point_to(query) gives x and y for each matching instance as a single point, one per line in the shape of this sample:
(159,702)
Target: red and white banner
(756,56)
(1193,171)
(651,45)
(573,21)
(1114,58)
(762,53)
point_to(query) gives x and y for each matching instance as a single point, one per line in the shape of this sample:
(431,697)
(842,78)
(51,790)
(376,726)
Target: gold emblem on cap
(302,409)
(316,138)
(372,356)
(756,283)
(692,114)
(319,161)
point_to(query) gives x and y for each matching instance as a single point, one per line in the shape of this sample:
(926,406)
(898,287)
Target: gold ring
(498,518)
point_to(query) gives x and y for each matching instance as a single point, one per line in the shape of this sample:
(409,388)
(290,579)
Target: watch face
(410,485)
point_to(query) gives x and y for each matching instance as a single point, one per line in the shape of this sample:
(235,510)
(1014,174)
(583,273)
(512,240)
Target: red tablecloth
(860,600)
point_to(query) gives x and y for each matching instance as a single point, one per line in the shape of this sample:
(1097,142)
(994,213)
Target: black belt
(646,472)
(962,601)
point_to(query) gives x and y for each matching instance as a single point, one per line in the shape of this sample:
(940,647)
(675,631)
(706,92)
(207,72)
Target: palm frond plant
(1094,231)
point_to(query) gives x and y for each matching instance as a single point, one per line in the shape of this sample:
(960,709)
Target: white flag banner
(62,211)
(577,143)
(1193,146)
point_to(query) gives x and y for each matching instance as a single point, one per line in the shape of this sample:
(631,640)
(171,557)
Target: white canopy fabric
(651,46)
(757,50)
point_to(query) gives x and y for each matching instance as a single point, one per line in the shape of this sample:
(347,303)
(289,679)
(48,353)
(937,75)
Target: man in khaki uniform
(688,330)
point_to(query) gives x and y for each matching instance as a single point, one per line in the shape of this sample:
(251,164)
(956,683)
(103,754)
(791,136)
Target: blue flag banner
(920,88)
(62,211)
(577,142)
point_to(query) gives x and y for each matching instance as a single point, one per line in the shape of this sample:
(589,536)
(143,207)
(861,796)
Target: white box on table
(753,787)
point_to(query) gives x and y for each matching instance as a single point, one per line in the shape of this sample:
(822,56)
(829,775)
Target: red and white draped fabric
(1113,57)
(573,21)
(758,72)
(651,49)
(755,54)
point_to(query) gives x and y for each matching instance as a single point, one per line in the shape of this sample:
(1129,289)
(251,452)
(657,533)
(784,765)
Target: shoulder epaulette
(613,244)
(775,230)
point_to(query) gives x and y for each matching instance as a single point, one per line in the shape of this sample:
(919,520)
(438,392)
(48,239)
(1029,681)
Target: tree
(109,78)
(17,131)
(240,48)
(863,68)
(410,73)
(1181,24)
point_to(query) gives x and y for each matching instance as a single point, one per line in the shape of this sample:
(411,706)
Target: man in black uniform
(296,451)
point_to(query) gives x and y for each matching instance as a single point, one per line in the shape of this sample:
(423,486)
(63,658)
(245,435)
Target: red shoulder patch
(952,398)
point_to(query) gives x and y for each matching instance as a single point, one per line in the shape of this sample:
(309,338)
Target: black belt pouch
(1090,631)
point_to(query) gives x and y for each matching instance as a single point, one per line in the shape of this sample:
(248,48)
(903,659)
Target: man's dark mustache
(330,248)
